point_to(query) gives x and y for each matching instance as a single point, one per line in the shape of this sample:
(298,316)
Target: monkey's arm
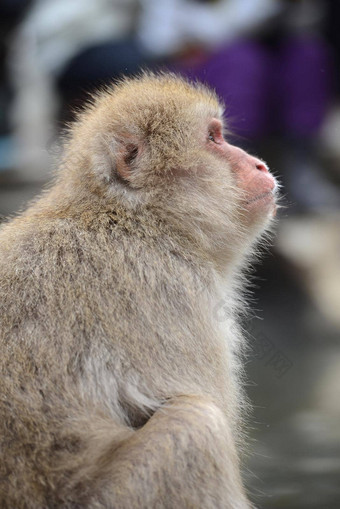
(183,456)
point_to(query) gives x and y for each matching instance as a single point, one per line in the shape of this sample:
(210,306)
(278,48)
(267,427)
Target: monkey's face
(159,143)
(251,174)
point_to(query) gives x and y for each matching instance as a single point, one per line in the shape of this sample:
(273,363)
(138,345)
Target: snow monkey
(119,387)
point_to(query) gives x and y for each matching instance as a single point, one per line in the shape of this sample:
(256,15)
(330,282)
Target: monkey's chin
(262,205)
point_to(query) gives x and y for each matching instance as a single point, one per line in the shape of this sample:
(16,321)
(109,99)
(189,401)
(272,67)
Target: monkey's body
(107,318)
(62,362)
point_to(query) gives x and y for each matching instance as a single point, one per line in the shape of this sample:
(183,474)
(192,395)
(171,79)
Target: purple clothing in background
(305,85)
(286,89)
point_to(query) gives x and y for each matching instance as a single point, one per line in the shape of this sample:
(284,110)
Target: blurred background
(275,63)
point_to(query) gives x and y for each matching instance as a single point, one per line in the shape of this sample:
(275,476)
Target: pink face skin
(251,173)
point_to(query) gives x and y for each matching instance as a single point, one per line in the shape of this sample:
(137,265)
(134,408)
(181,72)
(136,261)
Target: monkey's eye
(215,134)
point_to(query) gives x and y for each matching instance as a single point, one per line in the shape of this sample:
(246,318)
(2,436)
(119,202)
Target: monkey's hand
(184,456)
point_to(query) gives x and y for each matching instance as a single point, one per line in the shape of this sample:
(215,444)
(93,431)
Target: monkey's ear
(126,158)
(114,159)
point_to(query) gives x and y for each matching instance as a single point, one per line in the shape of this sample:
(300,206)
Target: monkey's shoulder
(66,260)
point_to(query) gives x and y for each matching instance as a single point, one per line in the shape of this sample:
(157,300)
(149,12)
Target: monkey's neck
(154,224)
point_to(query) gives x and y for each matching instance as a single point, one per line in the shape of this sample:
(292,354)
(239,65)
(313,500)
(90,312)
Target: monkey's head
(157,143)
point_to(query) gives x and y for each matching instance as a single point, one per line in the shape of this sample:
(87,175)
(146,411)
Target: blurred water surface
(295,425)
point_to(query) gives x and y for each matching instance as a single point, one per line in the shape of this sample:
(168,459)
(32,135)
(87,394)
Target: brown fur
(118,387)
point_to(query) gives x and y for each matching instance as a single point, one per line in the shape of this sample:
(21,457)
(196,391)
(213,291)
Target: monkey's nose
(261,165)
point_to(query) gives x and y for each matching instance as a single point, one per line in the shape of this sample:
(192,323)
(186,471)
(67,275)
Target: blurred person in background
(265,58)
(62,49)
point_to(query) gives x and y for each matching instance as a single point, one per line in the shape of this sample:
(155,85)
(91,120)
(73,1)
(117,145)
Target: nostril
(261,166)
